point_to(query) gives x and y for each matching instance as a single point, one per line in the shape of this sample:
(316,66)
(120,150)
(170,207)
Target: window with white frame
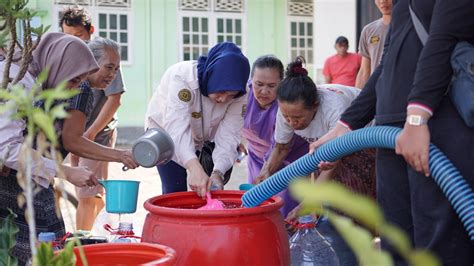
(229,30)
(114,26)
(301,40)
(111,19)
(204,23)
(300,14)
(195,37)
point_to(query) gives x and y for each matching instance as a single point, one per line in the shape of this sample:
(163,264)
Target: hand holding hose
(337,131)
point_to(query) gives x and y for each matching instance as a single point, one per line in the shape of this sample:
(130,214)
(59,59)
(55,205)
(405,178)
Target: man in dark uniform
(408,91)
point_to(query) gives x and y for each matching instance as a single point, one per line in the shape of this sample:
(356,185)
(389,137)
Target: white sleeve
(283,131)
(332,117)
(227,136)
(177,119)
(11,140)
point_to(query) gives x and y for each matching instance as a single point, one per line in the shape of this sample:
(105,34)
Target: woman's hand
(198,180)
(242,150)
(337,131)
(264,174)
(413,144)
(80,176)
(126,158)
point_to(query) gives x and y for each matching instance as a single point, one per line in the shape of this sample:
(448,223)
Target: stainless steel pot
(155,147)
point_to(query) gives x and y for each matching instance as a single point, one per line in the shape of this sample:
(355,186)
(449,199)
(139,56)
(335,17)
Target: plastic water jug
(309,248)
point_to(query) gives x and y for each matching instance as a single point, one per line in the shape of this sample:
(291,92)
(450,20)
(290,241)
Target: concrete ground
(150,186)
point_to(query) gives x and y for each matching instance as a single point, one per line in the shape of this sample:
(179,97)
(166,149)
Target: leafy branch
(12,11)
(316,197)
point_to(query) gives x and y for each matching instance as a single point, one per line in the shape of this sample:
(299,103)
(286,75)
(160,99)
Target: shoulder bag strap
(420,30)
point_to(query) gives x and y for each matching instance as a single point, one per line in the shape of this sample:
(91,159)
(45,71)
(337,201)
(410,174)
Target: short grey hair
(99,45)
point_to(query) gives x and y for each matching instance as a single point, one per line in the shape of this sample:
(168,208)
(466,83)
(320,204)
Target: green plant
(17,102)
(366,212)
(8,231)
(12,11)
(46,256)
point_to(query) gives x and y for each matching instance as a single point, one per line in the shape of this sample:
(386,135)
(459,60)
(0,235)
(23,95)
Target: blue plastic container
(120,195)
(246,186)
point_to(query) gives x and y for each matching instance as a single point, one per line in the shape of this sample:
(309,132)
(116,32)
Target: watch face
(416,120)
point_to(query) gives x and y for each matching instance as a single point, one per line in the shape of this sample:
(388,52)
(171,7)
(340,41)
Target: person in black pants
(408,91)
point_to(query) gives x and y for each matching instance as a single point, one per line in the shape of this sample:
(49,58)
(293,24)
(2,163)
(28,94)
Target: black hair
(76,16)
(268,61)
(341,40)
(297,86)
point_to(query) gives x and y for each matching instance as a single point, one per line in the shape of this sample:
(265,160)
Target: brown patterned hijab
(66,57)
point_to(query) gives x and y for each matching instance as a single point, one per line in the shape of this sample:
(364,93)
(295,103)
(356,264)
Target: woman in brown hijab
(68,59)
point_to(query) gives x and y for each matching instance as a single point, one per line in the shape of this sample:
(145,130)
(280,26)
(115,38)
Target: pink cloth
(342,70)
(212,204)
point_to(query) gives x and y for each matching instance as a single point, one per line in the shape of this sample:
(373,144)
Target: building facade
(154,34)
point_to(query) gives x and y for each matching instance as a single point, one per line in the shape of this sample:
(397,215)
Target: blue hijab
(225,68)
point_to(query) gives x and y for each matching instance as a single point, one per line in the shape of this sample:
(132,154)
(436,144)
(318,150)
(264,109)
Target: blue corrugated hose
(453,185)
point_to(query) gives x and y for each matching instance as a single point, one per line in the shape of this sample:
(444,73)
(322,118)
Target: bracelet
(217,172)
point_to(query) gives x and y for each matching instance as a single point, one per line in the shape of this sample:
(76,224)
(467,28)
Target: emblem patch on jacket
(375,39)
(244,110)
(196,115)
(184,95)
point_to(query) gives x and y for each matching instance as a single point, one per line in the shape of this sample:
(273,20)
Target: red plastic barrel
(240,236)
(127,254)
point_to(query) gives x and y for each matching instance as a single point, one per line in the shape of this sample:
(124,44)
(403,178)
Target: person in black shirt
(409,86)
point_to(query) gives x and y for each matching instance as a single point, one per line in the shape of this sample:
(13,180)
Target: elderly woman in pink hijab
(68,59)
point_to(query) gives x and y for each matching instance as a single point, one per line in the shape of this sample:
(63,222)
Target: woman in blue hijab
(201,104)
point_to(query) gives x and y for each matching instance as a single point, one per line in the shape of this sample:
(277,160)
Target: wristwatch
(416,120)
(219,173)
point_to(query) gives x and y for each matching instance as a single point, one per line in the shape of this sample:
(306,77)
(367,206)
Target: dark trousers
(173,177)
(416,204)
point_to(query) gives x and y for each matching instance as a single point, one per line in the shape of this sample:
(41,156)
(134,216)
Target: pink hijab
(66,57)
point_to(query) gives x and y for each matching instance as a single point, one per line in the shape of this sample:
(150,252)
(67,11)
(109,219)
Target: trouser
(174,177)
(416,203)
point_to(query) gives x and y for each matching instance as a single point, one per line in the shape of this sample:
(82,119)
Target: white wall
(332,18)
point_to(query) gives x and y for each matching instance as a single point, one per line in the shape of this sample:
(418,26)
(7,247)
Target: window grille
(208,23)
(301,40)
(229,5)
(300,7)
(73,2)
(113,3)
(194,5)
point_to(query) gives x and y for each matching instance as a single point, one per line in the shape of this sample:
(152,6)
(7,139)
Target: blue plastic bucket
(120,195)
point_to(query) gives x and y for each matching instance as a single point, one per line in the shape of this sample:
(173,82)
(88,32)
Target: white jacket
(176,107)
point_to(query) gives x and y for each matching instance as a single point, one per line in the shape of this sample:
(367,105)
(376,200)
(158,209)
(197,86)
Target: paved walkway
(150,186)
